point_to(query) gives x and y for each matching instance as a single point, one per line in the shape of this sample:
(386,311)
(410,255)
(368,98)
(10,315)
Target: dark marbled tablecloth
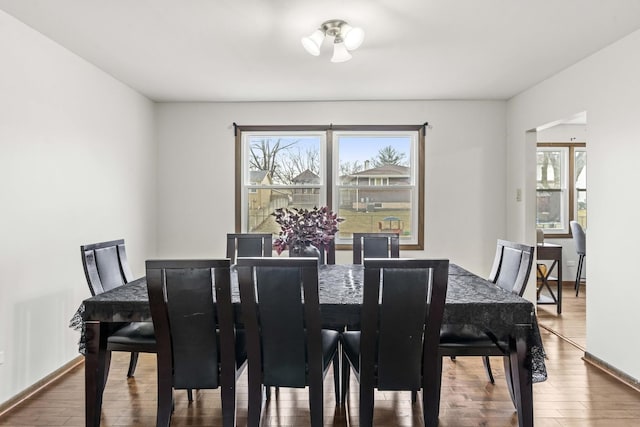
(471,300)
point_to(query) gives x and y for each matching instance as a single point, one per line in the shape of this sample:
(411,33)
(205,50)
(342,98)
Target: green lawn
(354,222)
(367,222)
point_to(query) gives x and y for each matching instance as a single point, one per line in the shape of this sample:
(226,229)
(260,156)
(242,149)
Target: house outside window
(371,176)
(561,187)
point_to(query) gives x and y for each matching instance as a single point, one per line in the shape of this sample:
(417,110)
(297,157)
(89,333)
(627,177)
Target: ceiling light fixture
(345,36)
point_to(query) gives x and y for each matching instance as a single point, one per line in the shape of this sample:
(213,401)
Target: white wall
(465,170)
(77,165)
(563,133)
(606,86)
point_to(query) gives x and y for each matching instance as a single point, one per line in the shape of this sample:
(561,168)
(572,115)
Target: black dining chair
(397,347)
(580,240)
(375,245)
(511,269)
(328,254)
(286,345)
(106,267)
(249,245)
(198,346)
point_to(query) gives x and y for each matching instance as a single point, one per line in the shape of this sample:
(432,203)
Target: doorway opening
(561,198)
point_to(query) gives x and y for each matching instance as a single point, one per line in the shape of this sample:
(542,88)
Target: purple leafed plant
(303,227)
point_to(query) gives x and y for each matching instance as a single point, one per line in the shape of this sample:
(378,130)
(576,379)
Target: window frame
(328,166)
(569,178)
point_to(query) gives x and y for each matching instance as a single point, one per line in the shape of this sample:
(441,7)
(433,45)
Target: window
(561,187)
(580,179)
(279,170)
(375,183)
(371,176)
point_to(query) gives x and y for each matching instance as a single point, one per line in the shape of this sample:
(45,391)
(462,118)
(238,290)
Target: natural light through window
(282,170)
(561,187)
(375,183)
(370,177)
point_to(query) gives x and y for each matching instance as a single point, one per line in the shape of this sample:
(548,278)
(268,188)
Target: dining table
(471,300)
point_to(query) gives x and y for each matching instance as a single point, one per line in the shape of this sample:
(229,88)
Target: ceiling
(250,50)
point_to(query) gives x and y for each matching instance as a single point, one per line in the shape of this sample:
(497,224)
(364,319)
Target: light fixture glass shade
(313,42)
(353,36)
(340,52)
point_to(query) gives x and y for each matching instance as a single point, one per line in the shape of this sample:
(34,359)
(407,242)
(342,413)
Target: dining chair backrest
(249,245)
(328,255)
(375,245)
(283,334)
(105,265)
(579,237)
(190,325)
(402,333)
(512,266)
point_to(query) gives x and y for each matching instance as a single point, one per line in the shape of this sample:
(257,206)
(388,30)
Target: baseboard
(39,386)
(614,372)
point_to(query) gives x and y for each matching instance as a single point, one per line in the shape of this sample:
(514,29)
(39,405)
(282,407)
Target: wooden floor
(575,394)
(570,324)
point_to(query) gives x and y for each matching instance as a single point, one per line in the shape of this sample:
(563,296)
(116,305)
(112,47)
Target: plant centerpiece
(302,228)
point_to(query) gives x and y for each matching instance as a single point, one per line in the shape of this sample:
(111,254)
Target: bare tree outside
(580,162)
(348,168)
(264,154)
(284,159)
(295,161)
(550,163)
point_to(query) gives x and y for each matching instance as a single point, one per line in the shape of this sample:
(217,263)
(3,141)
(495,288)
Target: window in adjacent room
(561,187)
(371,176)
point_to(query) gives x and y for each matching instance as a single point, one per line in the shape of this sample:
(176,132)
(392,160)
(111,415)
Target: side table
(550,252)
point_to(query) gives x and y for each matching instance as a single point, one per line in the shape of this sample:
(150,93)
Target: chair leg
(228,395)
(414,396)
(487,368)
(508,374)
(107,365)
(132,364)
(346,371)
(336,377)
(255,398)
(579,274)
(190,395)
